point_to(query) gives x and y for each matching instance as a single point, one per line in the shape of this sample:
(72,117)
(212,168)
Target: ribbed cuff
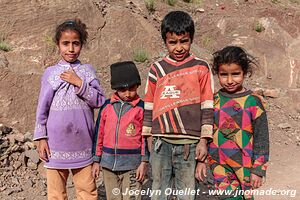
(80,91)
(97,159)
(258,172)
(146,131)
(206,131)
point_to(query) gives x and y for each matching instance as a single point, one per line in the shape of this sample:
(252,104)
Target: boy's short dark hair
(178,22)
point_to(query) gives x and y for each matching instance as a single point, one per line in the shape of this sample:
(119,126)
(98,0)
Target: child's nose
(127,93)
(71,48)
(229,80)
(179,48)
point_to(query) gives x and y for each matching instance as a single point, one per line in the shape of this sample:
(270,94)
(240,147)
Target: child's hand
(256,181)
(141,171)
(71,77)
(43,150)
(200,171)
(96,168)
(201,150)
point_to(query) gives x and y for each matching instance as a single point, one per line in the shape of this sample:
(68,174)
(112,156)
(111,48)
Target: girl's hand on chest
(71,77)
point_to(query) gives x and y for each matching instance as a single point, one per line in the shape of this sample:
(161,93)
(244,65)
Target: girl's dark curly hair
(234,54)
(75,25)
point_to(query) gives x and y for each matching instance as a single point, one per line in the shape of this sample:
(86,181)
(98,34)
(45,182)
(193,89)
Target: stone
(28,137)
(28,183)
(11,139)
(14,180)
(15,156)
(31,165)
(5,144)
(201,10)
(19,137)
(16,148)
(42,170)
(3,188)
(43,193)
(3,157)
(12,191)
(284,126)
(222,24)
(259,91)
(17,164)
(3,61)
(4,129)
(33,155)
(274,93)
(30,145)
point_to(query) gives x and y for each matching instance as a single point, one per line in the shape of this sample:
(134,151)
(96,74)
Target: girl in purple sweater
(64,128)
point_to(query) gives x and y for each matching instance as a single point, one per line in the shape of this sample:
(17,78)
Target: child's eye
(223,74)
(172,42)
(77,43)
(184,41)
(236,73)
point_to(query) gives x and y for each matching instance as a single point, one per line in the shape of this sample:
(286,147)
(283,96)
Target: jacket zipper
(117,133)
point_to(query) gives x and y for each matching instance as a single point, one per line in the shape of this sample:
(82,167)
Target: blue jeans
(168,162)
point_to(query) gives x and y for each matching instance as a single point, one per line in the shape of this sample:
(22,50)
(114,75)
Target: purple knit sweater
(65,115)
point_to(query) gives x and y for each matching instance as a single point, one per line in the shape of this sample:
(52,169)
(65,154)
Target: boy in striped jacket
(119,146)
(178,115)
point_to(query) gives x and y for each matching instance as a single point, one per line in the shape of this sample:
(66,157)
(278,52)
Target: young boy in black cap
(119,147)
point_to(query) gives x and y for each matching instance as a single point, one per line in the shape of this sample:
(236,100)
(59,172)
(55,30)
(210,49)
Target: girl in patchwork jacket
(239,152)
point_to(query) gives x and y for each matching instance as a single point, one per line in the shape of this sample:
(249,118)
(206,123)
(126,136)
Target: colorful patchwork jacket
(241,134)
(118,143)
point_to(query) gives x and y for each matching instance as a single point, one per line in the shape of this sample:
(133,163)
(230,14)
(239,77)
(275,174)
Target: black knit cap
(124,74)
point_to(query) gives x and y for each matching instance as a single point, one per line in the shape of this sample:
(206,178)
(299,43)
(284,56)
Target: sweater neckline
(170,60)
(235,95)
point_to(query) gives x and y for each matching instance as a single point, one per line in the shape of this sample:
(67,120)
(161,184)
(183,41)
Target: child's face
(178,45)
(127,94)
(231,77)
(69,45)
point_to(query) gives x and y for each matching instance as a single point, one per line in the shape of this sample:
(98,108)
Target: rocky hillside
(129,29)
(119,29)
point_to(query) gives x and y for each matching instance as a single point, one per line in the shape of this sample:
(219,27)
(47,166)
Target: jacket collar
(115,98)
(73,64)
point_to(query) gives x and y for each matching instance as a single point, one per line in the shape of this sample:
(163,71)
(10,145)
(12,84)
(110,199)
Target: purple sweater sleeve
(45,100)
(91,91)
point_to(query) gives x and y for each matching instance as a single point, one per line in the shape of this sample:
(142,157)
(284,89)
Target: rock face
(118,28)
(115,31)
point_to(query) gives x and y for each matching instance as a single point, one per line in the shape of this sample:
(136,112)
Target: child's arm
(91,92)
(207,120)
(99,133)
(201,150)
(149,96)
(45,100)
(260,146)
